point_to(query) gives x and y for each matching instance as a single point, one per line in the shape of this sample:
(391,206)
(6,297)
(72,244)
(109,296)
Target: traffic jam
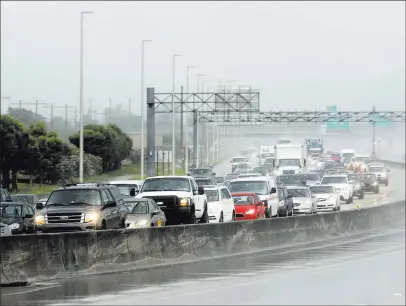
(280,180)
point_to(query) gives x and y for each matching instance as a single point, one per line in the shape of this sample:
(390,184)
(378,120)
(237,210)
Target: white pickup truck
(179,197)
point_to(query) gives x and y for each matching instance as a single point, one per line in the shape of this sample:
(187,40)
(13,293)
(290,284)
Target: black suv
(80,207)
(205,181)
(370,181)
(202,172)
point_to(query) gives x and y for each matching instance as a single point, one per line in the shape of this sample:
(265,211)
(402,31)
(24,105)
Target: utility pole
(129,107)
(36,107)
(110,110)
(373,132)
(66,122)
(51,122)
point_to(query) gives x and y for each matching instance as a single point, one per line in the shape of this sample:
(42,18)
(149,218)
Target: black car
(31,199)
(80,207)
(283,197)
(18,216)
(370,181)
(292,179)
(261,169)
(202,172)
(312,178)
(205,181)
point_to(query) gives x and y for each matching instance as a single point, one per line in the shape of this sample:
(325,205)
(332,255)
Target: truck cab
(290,158)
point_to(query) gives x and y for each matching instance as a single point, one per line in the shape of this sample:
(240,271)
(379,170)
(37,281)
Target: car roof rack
(96,184)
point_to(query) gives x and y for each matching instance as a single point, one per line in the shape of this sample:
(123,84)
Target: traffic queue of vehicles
(200,197)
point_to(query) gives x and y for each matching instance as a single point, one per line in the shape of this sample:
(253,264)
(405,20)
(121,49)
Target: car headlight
(14,226)
(185,202)
(91,217)
(374,183)
(40,219)
(383,174)
(250,211)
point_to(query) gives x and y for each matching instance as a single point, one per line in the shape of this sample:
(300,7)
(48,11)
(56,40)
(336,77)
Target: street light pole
(186,128)
(173,115)
(81,99)
(142,105)
(198,149)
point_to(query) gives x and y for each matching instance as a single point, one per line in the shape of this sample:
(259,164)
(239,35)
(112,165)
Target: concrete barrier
(30,258)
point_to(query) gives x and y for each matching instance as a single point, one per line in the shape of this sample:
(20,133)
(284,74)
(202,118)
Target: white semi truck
(290,158)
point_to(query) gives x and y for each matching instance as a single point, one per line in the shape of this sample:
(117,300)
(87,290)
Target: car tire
(205,216)
(192,218)
(338,208)
(349,201)
(233,217)
(221,219)
(361,196)
(387,183)
(376,191)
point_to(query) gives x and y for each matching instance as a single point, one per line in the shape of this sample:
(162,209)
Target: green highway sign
(336,126)
(380,121)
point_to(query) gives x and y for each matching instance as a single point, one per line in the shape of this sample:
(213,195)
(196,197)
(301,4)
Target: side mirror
(132,192)
(28,216)
(155,213)
(39,206)
(110,204)
(214,173)
(188,173)
(200,190)
(273,190)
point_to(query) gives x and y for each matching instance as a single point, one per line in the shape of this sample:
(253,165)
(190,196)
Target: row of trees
(35,151)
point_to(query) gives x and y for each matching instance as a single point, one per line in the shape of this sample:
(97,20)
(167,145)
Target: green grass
(39,190)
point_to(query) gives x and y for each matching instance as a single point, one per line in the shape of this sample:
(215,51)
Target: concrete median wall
(49,256)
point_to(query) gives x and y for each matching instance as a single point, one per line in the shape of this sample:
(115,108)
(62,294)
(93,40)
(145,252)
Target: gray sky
(298,54)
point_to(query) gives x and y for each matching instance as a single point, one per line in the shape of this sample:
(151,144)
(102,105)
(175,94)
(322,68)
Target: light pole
(198,82)
(198,150)
(173,115)
(81,98)
(142,104)
(186,123)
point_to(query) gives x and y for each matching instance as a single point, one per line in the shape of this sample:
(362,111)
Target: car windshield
(166,184)
(231,176)
(311,176)
(10,211)
(321,189)
(334,180)
(75,196)
(291,179)
(243,166)
(126,188)
(298,193)
(138,207)
(238,159)
(289,162)
(376,169)
(203,182)
(259,187)
(26,198)
(212,195)
(201,172)
(243,200)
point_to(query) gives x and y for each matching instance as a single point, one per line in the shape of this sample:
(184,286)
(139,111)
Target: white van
(264,186)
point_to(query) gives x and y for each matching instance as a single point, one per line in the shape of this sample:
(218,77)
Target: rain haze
(298,54)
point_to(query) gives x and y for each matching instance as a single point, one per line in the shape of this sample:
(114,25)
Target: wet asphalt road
(355,271)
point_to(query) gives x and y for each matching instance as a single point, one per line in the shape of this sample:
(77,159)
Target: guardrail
(30,258)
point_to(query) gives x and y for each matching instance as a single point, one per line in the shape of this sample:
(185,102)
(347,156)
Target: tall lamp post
(174,56)
(188,68)
(81,98)
(142,104)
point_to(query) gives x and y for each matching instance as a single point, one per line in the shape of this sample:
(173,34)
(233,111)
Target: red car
(336,156)
(248,206)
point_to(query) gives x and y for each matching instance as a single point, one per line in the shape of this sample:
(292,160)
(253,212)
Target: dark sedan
(18,216)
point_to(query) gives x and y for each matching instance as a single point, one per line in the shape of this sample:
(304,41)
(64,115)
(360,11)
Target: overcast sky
(298,54)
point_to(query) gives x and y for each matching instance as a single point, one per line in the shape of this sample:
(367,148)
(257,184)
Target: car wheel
(233,217)
(338,208)
(386,183)
(361,196)
(349,201)
(221,219)
(192,218)
(377,190)
(103,225)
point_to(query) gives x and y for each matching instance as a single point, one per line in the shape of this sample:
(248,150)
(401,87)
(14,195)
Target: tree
(68,167)
(107,142)
(13,143)
(25,116)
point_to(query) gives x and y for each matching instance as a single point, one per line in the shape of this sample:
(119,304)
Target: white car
(303,201)
(327,197)
(126,186)
(341,184)
(266,189)
(237,160)
(220,204)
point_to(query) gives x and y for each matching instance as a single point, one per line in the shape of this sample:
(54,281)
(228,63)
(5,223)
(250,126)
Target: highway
(369,269)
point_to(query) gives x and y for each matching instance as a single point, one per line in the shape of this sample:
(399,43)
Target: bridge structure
(242,109)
